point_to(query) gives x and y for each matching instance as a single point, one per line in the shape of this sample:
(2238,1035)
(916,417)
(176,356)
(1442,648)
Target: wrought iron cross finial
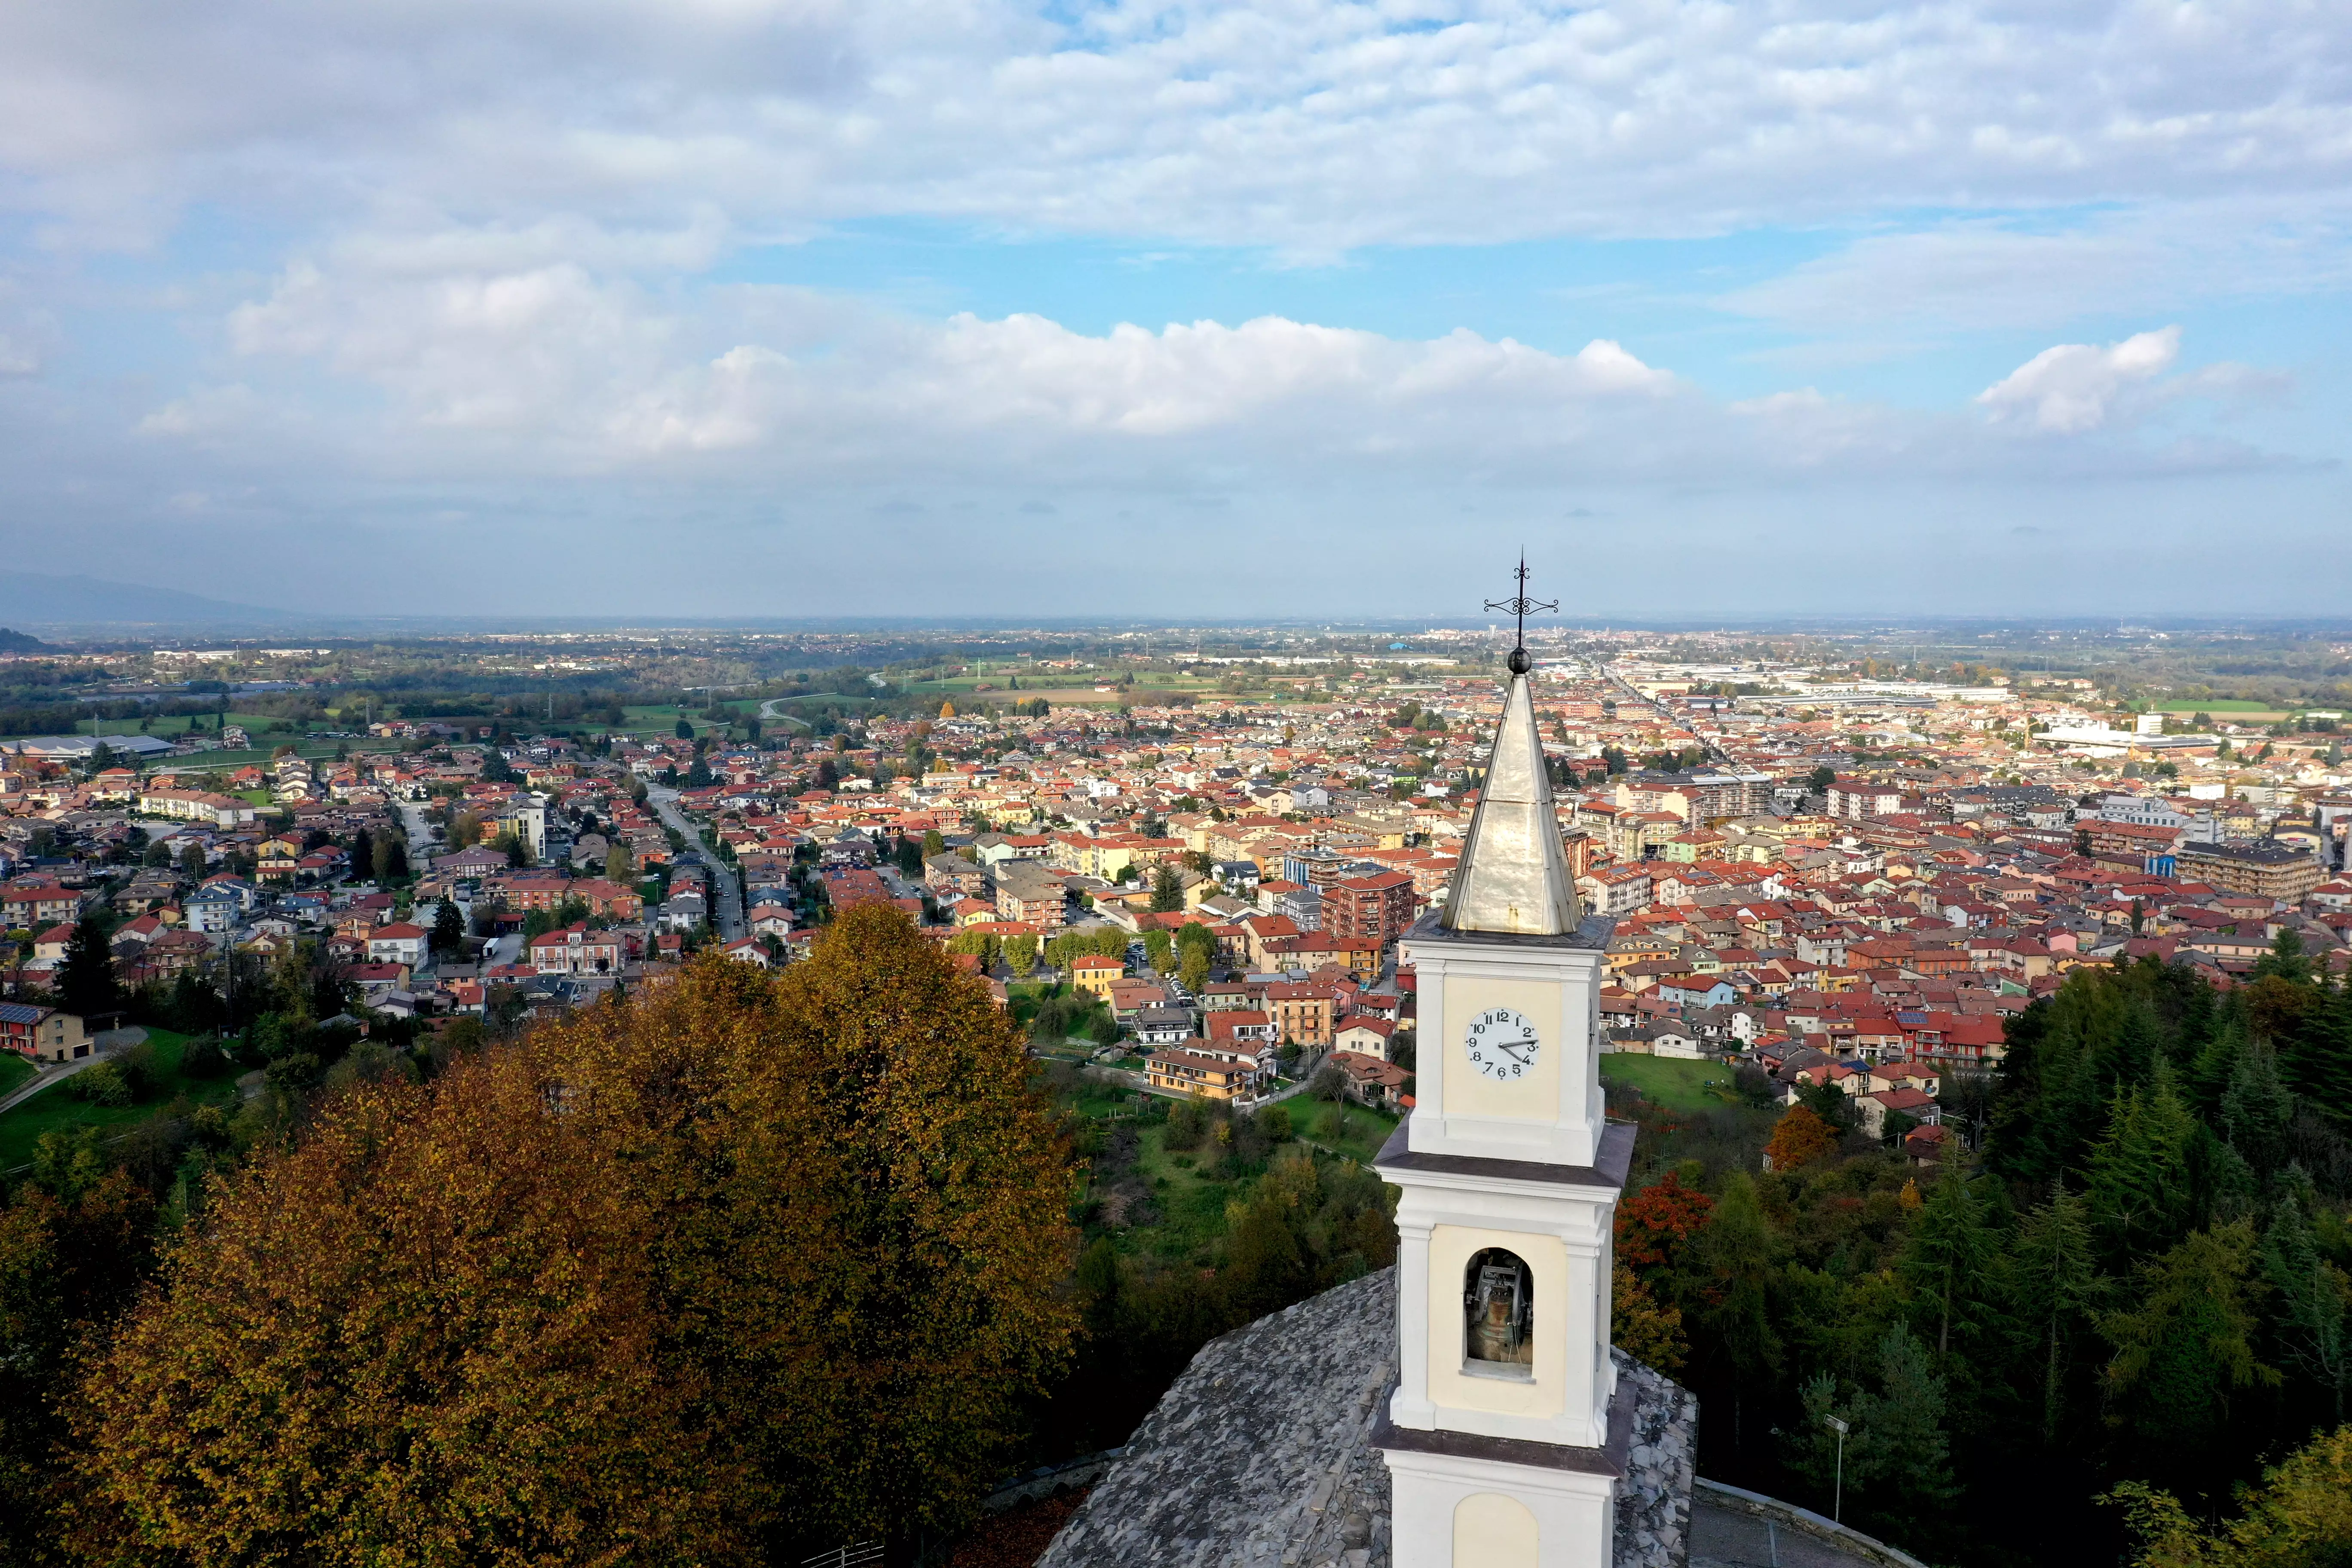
(1520,605)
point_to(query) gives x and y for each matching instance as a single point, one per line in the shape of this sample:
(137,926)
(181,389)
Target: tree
(1021,954)
(191,861)
(934,843)
(1193,970)
(683,729)
(1800,1138)
(1951,1262)
(390,859)
(1167,891)
(2312,1294)
(1818,782)
(1160,950)
(1734,1257)
(515,1394)
(2059,1291)
(2187,1348)
(620,866)
(448,928)
(87,985)
(2140,1191)
(783,1270)
(2255,1110)
(1641,1326)
(2300,1517)
(74,1245)
(1656,1222)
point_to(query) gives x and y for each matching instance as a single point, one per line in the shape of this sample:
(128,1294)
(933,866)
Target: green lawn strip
(1664,1081)
(13,1070)
(2217,705)
(57,1106)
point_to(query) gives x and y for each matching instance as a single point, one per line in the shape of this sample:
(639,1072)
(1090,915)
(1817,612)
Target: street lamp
(1837,1498)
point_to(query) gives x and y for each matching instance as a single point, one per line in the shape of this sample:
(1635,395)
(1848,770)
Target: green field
(2224,705)
(53,1107)
(13,1070)
(1677,1085)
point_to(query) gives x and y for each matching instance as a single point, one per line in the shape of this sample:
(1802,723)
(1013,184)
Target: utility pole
(1837,1497)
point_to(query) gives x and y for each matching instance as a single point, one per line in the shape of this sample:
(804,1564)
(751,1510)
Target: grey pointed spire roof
(1513,874)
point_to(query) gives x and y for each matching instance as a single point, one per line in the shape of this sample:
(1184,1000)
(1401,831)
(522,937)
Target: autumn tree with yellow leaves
(744,1264)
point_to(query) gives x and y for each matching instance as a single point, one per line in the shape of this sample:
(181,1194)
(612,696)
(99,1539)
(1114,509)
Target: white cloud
(2073,387)
(1311,127)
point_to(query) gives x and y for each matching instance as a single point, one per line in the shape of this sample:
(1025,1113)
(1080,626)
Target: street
(726,887)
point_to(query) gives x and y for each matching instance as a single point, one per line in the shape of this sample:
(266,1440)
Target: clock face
(1501,1044)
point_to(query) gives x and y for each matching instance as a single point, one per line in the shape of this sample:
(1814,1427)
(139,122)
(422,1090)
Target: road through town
(726,887)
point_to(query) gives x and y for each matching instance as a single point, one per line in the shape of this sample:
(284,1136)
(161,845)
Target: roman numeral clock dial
(1501,1044)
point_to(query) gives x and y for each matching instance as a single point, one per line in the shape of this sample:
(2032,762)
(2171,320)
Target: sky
(1284,309)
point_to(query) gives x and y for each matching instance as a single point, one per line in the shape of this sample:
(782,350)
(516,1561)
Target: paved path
(1721,1537)
(768,712)
(726,887)
(106,1043)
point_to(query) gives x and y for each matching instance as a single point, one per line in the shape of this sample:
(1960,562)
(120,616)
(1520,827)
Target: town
(1821,871)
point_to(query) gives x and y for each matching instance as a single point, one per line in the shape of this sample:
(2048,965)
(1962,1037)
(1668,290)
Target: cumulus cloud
(2073,388)
(559,367)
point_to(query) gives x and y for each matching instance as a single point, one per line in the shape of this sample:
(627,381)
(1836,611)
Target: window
(1499,1315)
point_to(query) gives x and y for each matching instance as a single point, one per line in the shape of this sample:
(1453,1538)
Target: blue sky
(803,306)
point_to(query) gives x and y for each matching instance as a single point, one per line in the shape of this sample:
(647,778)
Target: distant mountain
(17,642)
(33,598)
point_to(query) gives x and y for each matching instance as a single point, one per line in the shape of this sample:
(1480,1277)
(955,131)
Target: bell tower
(1507,1434)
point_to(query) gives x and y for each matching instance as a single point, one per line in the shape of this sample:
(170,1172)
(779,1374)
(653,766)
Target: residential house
(1190,1073)
(42,1034)
(398,942)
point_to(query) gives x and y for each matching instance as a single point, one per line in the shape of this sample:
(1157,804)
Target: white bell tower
(1507,1434)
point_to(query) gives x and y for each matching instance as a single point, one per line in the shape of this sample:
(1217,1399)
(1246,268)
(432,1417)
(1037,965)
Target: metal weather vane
(1520,605)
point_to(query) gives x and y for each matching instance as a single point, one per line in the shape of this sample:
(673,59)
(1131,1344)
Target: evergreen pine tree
(2140,1192)
(2183,1354)
(2058,1289)
(1951,1262)
(2254,1113)
(2310,1294)
(86,984)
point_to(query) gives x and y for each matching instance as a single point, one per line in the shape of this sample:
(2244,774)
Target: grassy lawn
(13,1070)
(1676,1085)
(2215,705)
(1191,1199)
(1355,1132)
(21,1128)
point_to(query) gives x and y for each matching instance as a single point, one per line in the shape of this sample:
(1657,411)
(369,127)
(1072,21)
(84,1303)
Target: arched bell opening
(1499,1315)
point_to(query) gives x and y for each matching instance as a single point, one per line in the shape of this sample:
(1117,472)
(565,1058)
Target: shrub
(100,1085)
(202,1058)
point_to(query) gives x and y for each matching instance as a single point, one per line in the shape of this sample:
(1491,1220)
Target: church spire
(1514,876)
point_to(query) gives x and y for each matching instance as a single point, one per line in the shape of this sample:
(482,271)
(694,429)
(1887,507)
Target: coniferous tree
(2310,1294)
(2185,1352)
(2059,1292)
(1951,1265)
(2140,1193)
(87,985)
(2255,1110)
